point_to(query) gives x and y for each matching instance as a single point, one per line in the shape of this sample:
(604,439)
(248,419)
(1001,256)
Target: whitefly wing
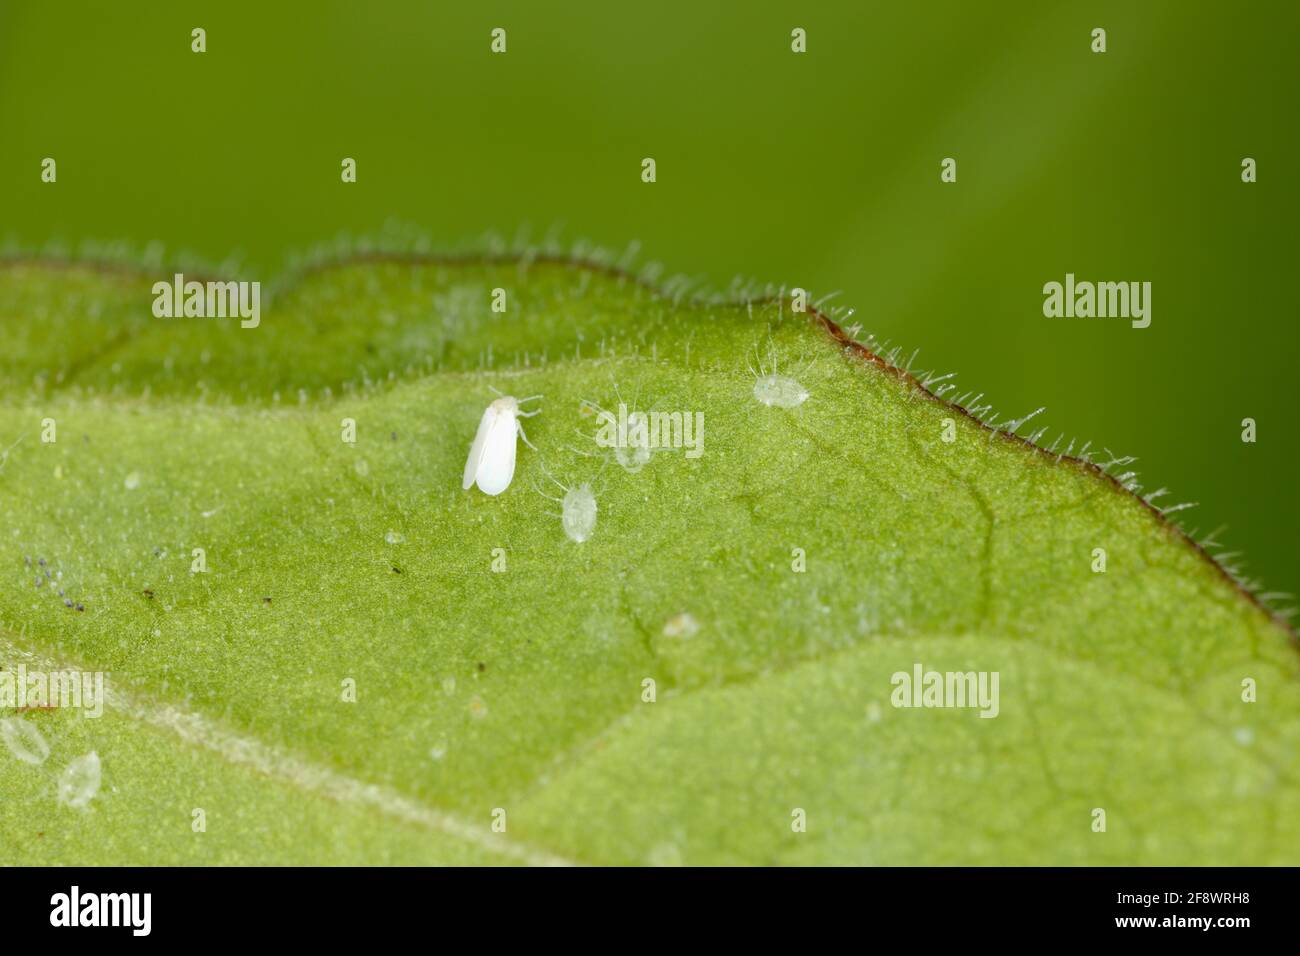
(496,467)
(476,449)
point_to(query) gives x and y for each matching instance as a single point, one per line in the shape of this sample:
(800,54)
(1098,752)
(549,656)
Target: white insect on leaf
(627,432)
(491,462)
(24,740)
(79,781)
(775,390)
(577,509)
(635,455)
(578,514)
(780,391)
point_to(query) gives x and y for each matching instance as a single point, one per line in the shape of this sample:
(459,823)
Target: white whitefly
(24,740)
(491,461)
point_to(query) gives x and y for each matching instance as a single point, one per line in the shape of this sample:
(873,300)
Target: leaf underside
(522,690)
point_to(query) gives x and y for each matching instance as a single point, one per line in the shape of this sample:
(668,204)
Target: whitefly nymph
(779,391)
(578,512)
(627,433)
(635,455)
(491,462)
(577,509)
(775,390)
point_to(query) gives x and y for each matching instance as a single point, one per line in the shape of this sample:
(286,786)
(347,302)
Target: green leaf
(522,690)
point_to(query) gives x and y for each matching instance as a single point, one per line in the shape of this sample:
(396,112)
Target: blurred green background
(820,170)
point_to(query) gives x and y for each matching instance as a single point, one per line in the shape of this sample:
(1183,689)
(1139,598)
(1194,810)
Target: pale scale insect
(491,462)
